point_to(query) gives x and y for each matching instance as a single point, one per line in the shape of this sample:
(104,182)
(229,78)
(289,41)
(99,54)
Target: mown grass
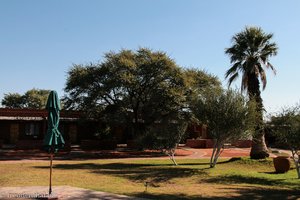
(192,179)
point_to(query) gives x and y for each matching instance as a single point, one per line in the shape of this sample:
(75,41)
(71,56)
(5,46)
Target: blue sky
(40,40)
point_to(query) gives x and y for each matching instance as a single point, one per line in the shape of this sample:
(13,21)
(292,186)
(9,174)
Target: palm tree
(249,56)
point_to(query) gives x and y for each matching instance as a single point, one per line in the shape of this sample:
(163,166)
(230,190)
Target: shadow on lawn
(157,174)
(152,173)
(247,193)
(239,179)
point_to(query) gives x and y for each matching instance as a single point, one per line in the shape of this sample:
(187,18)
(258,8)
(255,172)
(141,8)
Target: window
(32,129)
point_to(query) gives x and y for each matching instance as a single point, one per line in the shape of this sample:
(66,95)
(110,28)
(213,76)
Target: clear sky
(41,40)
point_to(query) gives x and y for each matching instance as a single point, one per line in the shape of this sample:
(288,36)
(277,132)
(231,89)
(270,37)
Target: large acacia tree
(137,88)
(249,55)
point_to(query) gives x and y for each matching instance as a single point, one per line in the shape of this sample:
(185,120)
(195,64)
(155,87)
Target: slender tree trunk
(216,153)
(136,123)
(173,157)
(296,159)
(213,154)
(297,168)
(171,154)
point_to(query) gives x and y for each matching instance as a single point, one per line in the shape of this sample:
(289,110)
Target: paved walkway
(11,155)
(62,192)
(206,153)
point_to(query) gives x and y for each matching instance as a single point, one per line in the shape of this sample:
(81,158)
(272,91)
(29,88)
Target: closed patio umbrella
(53,140)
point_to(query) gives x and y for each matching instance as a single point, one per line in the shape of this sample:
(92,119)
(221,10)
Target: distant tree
(249,55)
(286,127)
(13,100)
(34,98)
(228,116)
(136,88)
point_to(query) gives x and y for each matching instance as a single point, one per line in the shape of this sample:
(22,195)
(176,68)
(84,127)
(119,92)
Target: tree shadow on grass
(246,193)
(156,174)
(240,179)
(152,173)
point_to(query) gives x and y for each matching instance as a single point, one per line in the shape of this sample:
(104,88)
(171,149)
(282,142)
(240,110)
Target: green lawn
(192,179)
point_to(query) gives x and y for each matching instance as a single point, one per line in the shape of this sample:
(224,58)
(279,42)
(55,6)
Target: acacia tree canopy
(137,88)
(133,87)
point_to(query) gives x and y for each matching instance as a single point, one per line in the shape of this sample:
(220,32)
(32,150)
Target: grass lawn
(192,179)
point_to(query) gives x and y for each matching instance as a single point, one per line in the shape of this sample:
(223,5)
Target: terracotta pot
(282,164)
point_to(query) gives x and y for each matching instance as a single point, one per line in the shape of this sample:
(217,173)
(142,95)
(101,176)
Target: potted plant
(282,163)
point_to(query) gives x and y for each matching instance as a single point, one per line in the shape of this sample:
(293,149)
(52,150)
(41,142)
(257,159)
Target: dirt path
(14,156)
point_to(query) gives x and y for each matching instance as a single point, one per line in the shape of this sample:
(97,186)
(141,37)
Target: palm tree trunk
(259,148)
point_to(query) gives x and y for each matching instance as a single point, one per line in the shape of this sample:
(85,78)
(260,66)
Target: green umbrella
(53,140)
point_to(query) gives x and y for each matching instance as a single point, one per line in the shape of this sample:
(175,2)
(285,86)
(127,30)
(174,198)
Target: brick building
(23,125)
(25,128)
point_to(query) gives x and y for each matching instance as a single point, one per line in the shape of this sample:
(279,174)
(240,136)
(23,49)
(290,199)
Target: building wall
(14,132)
(196,131)
(73,131)
(5,131)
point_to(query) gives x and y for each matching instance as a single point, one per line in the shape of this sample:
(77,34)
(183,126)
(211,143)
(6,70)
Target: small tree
(229,117)
(286,128)
(165,136)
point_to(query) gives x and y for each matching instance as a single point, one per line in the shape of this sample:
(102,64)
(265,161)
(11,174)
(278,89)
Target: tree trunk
(298,169)
(172,157)
(259,148)
(135,124)
(296,158)
(213,154)
(216,153)
(171,154)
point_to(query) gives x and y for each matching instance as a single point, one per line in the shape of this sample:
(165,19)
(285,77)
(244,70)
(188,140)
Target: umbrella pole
(50,185)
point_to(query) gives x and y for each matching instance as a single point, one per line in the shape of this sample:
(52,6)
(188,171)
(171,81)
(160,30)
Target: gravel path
(62,192)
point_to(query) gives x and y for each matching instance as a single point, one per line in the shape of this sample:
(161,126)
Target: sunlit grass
(192,179)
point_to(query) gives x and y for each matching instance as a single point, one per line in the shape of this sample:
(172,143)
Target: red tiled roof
(16,112)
